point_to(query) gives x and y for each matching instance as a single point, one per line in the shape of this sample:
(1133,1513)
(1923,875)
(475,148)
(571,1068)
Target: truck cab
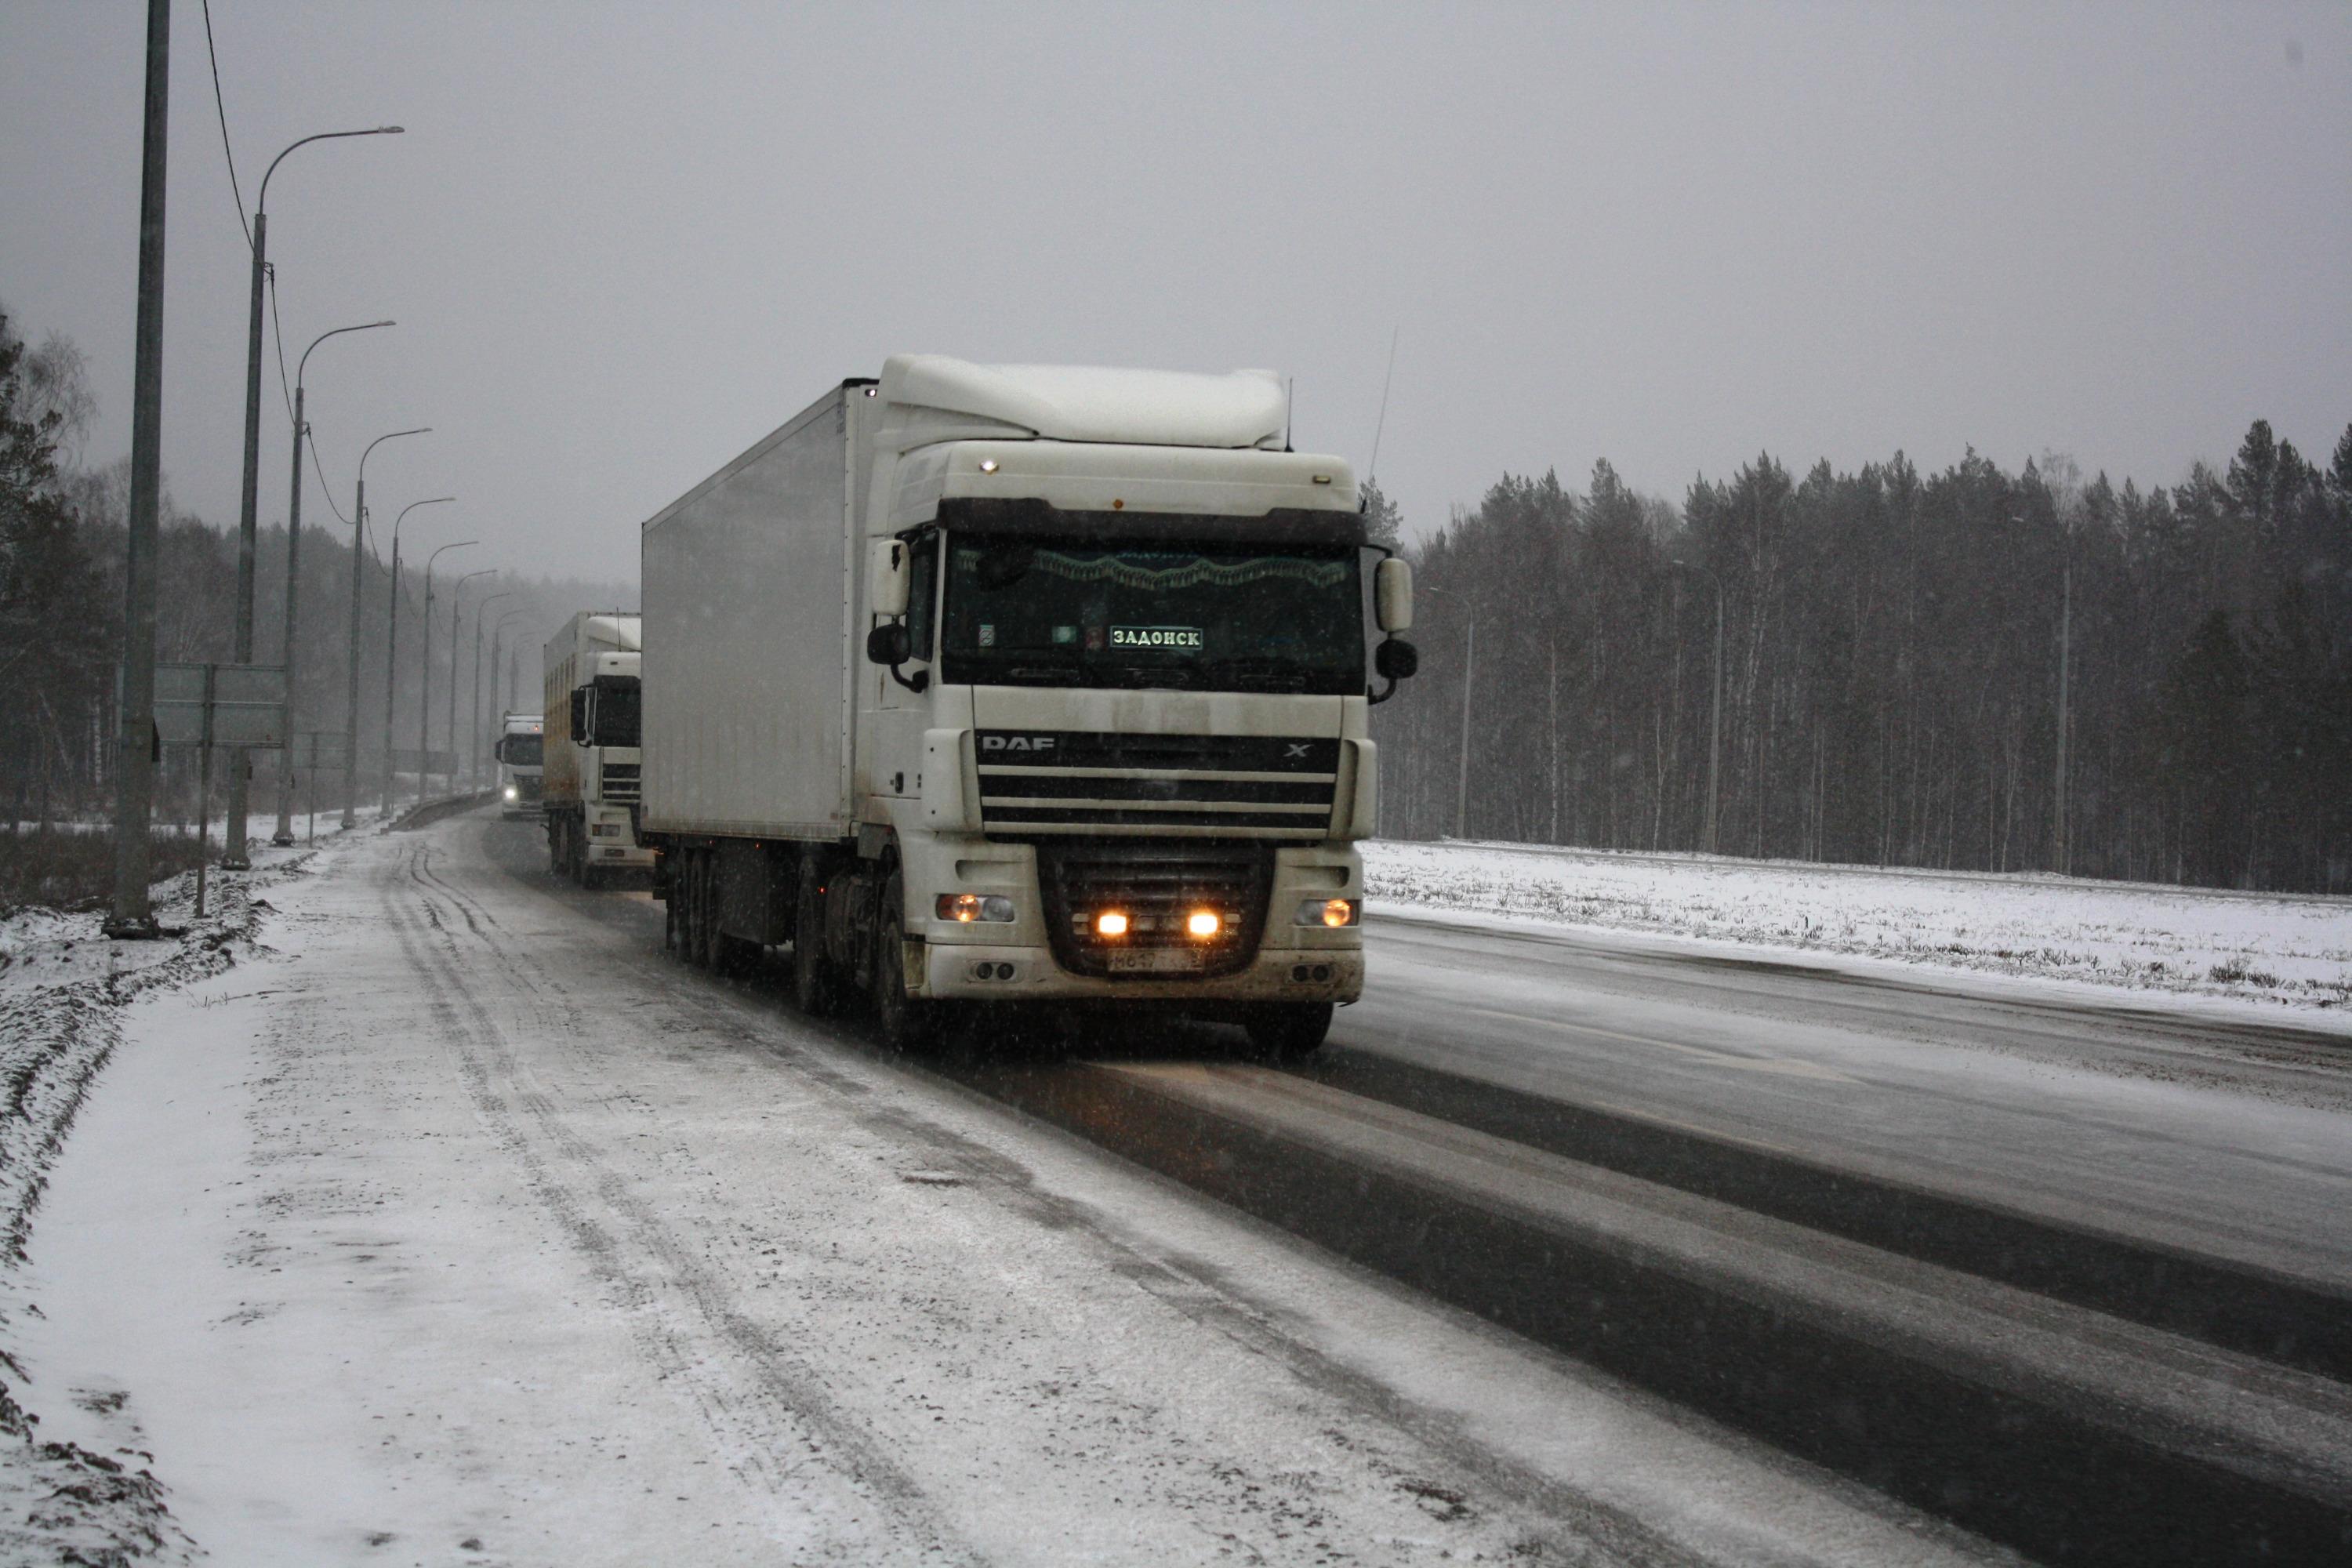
(520,750)
(594,757)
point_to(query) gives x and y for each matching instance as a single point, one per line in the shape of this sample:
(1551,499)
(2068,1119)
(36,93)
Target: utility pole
(134,728)
(392,641)
(1715,731)
(1714,717)
(351,698)
(285,834)
(1469,679)
(233,857)
(2062,850)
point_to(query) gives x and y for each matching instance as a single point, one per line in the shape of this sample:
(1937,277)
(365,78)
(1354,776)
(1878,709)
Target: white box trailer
(1022,684)
(589,677)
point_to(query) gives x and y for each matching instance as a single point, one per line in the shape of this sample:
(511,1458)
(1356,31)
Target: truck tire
(816,985)
(708,946)
(1288,1031)
(905,1023)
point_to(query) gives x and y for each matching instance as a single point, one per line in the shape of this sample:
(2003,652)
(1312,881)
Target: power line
(222,111)
(277,334)
(319,466)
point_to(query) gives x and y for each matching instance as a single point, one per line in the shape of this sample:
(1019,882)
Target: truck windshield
(520,751)
(1218,617)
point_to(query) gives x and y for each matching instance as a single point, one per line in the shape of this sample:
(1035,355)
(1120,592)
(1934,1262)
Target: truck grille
(1176,786)
(527,787)
(1157,888)
(622,785)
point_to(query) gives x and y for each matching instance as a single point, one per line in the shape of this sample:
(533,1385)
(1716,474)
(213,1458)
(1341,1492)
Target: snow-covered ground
(2289,950)
(457,1224)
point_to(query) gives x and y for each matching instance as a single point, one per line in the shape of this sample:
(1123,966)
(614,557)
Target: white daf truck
(591,786)
(1024,683)
(519,750)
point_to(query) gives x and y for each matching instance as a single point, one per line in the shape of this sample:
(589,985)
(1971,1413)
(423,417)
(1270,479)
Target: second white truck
(592,670)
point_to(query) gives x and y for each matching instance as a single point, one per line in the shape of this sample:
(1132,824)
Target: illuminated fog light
(1327,912)
(966,908)
(511,793)
(1203,922)
(988,465)
(1110,922)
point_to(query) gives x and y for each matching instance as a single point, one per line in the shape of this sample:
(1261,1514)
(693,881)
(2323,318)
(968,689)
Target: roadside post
(240,707)
(312,750)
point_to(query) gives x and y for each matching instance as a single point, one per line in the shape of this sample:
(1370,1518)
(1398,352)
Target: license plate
(1155,961)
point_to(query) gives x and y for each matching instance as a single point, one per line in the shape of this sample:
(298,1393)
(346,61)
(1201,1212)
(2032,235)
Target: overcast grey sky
(623,242)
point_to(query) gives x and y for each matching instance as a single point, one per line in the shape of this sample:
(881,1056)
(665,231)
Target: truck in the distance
(591,757)
(1024,684)
(518,752)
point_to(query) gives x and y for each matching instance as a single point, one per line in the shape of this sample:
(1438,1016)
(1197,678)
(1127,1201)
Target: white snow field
(455,1223)
(2290,950)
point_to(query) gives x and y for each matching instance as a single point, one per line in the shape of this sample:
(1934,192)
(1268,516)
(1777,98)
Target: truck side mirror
(1392,596)
(891,570)
(889,644)
(579,736)
(1396,660)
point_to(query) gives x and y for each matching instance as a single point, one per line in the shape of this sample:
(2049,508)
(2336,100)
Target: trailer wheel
(906,1022)
(816,985)
(708,946)
(1288,1031)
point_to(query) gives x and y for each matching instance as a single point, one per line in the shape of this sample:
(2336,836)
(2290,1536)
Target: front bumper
(983,972)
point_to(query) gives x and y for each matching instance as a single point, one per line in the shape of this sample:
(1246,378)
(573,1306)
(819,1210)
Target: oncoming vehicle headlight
(1327,911)
(966,908)
(514,793)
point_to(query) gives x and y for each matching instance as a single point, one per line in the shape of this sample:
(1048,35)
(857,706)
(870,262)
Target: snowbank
(2286,949)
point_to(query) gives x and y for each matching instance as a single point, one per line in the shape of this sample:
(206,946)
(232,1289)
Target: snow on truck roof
(1091,402)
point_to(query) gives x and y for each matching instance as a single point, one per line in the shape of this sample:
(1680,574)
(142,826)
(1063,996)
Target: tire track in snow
(662,1287)
(1199,1291)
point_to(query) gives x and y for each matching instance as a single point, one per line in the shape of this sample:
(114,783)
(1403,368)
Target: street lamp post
(424,666)
(481,612)
(497,633)
(1714,716)
(285,834)
(392,641)
(351,695)
(456,614)
(233,854)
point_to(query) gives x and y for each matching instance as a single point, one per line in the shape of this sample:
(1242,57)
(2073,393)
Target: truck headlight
(966,908)
(1327,911)
(1204,923)
(512,793)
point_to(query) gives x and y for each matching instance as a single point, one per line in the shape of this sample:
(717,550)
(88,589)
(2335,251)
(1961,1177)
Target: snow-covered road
(466,1228)
(2218,1137)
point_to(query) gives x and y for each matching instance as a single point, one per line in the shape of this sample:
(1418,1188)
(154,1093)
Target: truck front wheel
(906,1022)
(1288,1031)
